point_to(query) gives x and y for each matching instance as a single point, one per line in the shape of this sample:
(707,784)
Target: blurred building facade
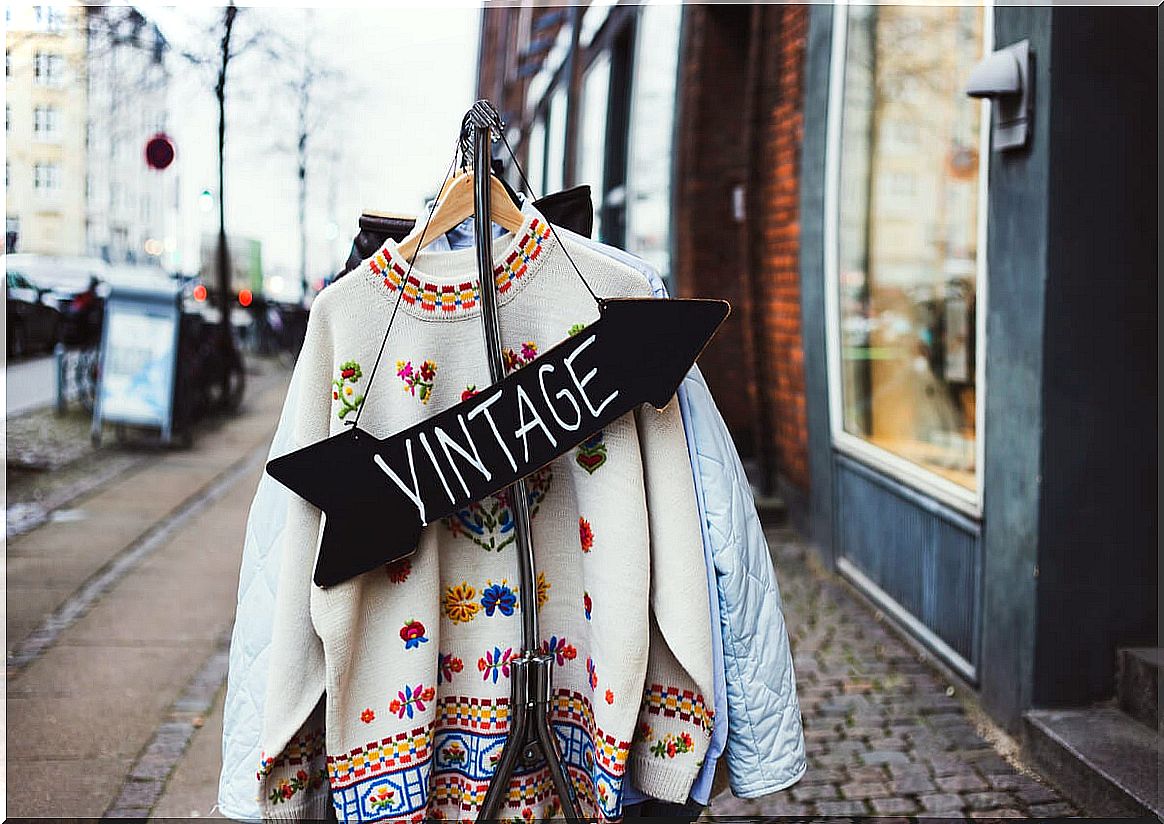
(940,353)
(45,110)
(86,87)
(131,208)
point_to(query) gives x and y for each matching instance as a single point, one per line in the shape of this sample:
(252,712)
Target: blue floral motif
(498,597)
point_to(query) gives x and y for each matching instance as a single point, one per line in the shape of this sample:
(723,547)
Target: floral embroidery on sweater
(498,597)
(587,604)
(585,534)
(368,716)
(561,650)
(591,453)
(543,590)
(343,388)
(671,745)
(495,664)
(398,571)
(448,666)
(410,697)
(591,673)
(460,603)
(516,360)
(418,382)
(575,329)
(489,522)
(302,781)
(412,634)
(381,798)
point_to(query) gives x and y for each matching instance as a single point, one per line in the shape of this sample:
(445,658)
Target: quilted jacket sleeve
(765,747)
(278,686)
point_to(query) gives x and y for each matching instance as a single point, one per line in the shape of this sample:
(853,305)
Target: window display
(907,257)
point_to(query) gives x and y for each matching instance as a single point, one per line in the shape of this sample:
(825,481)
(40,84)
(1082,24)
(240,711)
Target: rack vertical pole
(529,738)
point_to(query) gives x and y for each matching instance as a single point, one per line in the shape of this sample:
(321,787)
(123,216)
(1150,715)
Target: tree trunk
(225,302)
(304,102)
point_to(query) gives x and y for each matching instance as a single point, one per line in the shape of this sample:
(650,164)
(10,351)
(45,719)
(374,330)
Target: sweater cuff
(661,780)
(313,809)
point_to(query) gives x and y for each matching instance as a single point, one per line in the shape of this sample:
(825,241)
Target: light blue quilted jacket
(765,741)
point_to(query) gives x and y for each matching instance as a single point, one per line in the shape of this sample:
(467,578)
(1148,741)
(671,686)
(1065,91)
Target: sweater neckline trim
(455,296)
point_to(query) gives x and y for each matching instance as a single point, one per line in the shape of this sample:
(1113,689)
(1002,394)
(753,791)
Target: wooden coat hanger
(456,204)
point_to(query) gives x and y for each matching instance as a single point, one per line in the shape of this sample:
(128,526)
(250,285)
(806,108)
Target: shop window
(652,124)
(536,159)
(556,143)
(907,273)
(592,133)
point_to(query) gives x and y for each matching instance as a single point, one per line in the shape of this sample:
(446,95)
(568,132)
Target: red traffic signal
(159,151)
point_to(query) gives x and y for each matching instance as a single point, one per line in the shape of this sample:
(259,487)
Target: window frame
(51,177)
(51,133)
(914,475)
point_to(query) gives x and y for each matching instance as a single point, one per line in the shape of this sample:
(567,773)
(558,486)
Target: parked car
(34,322)
(77,284)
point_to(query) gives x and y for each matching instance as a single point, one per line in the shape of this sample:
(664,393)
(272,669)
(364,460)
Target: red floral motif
(398,571)
(469,392)
(367,716)
(412,634)
(610,696)
(585,534)
(671,745)
(301,781)
(587,604)
(449,665)
(514,360)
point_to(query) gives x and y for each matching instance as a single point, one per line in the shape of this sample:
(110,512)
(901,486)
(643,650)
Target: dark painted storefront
(1034,593)
(989,482)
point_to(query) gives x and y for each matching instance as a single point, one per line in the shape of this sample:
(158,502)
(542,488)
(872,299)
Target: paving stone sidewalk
(885,734)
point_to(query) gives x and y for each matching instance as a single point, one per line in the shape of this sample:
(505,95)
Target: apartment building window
(49,18)
(46,177)
(48,68)
(45,122)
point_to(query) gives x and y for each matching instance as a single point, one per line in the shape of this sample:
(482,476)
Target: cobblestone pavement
(885,733)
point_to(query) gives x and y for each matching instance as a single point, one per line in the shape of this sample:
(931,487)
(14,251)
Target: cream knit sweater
(392,689)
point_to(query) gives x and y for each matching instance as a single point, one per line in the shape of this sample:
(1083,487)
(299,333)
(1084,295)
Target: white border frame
(914,475)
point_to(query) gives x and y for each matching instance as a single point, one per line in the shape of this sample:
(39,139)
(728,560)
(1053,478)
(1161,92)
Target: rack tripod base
(529,741)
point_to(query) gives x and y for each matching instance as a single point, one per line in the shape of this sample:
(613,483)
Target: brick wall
(755,365)
(778,237)
(712,160)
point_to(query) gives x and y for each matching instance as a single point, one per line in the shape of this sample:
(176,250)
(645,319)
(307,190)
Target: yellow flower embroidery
(543,589)
(460,603)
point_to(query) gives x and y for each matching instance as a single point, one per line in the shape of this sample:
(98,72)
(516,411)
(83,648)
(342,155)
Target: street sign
(159,152)
(139,349)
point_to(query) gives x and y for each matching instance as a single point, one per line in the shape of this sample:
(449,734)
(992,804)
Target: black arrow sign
(482,445)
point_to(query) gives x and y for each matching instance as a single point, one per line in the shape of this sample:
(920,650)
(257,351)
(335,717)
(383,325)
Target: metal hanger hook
(482,115)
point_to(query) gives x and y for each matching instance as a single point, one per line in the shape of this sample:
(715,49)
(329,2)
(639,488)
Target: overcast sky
(408,75)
